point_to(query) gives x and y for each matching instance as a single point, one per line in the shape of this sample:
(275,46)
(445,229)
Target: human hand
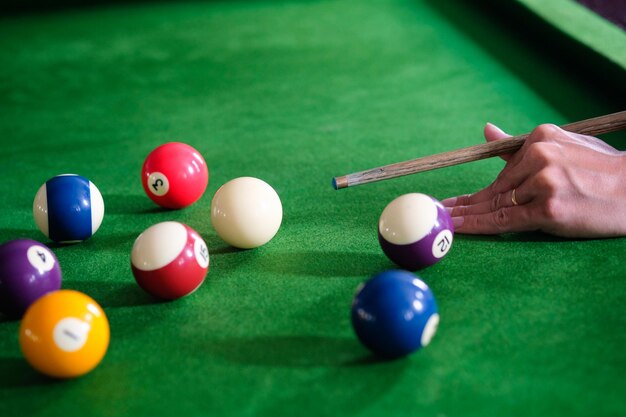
(559,182)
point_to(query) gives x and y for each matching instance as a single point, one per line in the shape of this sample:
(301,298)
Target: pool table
(296,92)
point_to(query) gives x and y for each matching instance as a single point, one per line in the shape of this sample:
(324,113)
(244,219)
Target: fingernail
(449,209)
(492,126)
(457,222)
(449,202)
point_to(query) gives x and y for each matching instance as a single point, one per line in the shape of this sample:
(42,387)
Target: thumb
(492,133)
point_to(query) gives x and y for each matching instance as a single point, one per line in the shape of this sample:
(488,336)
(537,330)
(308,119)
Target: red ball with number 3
(174,175)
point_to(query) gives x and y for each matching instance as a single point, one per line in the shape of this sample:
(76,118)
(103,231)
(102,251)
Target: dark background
(613,10)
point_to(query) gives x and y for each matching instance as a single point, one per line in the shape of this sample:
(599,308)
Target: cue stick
(594,126)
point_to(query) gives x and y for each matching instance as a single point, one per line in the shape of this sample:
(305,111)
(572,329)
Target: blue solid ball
(394,314)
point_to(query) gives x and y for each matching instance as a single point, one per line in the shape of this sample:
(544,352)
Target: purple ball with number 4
(28,270)
(415,231)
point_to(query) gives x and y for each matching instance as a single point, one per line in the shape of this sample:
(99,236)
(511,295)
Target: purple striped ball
(415,231)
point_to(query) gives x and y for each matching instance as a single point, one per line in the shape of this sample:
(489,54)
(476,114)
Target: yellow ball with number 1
(64,334)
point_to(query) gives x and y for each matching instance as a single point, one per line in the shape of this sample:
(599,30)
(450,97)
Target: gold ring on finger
(513,200)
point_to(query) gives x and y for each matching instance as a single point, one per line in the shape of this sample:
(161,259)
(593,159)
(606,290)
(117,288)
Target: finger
(511,177)
(461,200)
(506,219)
(450,201)
(542,133)
(514,174)
(466,200)
(469,199)
(547,132)
(493,133)
(521,195)
(553,133)
(589,142)
(486,194)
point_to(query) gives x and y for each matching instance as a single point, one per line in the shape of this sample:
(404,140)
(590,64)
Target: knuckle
(469,223)
(458,211)
(497,186)
(496,183)
(494,202)
(464,200)
(544,132)
(540,153)
(553,211)
(501,182)
(501,219)
(547,182)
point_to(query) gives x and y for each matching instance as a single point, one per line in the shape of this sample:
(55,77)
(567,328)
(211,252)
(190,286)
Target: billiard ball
(28,270)
(169,260)
(68,208)
(64,334)
(415,231)
(246,212)
(394,314)
(174,175)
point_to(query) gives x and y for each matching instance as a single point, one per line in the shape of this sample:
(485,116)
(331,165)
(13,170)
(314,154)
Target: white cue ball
(246,212)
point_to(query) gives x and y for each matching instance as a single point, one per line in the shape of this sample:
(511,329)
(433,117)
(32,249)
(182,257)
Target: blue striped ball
(68,208)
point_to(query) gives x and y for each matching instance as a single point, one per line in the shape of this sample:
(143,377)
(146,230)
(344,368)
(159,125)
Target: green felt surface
(296,92)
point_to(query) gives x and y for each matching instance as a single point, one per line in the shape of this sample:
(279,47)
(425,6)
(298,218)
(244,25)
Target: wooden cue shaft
(594,126)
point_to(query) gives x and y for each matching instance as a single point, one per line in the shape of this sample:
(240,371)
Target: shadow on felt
(12,234)
(324,263)
(217,246)
(16,372)
(114,294)
(131,204)
(352,376)
(522,237)
(99,241)
(293,351)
